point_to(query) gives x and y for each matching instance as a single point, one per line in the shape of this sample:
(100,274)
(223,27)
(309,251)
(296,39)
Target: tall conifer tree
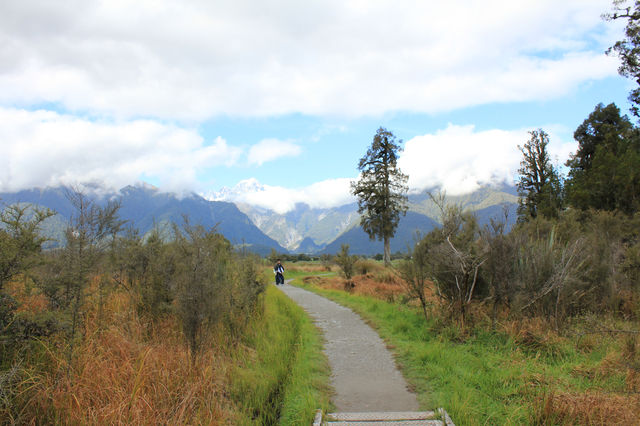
(381,189)
(539,184)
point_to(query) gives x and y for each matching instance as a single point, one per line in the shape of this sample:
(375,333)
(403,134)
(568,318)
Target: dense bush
(197,276)
(453,258)
(102,289)
(581,262)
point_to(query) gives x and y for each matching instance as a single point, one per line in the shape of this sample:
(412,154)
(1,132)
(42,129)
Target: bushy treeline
(582,261)
(194,276)
(575,248)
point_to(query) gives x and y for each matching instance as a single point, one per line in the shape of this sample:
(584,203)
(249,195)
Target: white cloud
(194,60)
(325,194)
(272,149)
(460,159)
(43,148)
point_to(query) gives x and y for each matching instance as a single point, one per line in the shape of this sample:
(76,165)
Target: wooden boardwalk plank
(389,423)
(380,416)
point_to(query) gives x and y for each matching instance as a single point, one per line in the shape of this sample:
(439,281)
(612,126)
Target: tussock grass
(368,266)
(484,377)
(590,408)
(124,373)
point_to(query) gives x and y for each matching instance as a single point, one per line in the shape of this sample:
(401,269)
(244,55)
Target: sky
(281,98)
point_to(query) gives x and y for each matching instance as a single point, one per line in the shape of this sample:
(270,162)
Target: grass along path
(363,372)
(488,378)
(282,375)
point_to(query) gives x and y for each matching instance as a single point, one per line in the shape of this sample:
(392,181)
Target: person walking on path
(278,270)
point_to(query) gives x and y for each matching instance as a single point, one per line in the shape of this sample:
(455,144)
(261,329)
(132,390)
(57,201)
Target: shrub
(326,260)
(455,258)
(346,262)
(499,268)
(202,280)
(415,273)
(546,272)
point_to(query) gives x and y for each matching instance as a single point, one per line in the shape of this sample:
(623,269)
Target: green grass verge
(283,377)
(485,377)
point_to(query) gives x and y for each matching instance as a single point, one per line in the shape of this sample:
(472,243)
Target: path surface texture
(363,372)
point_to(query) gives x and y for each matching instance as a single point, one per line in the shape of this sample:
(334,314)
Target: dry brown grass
(307,267)
(127,372)
(369,285)
(590,409)
(378,282)
(117,380)
(30,299)
(523,325)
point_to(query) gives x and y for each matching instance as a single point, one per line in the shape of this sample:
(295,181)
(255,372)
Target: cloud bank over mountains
(44,148)
(457,159)
(461,159)
(189,61)
(325,194)
(59,149)
(118,91)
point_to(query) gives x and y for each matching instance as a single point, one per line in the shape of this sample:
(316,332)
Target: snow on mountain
(234,194)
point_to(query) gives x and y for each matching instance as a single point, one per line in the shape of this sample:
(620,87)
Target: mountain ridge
(146,206)
(325,225)
(303,229)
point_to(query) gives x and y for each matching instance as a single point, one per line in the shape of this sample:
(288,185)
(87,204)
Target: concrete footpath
(363,372)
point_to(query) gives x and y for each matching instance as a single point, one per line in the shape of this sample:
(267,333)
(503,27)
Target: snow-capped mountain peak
(243,187)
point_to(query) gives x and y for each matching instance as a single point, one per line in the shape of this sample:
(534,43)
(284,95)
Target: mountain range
(144,207)
(301,230)
(312,230)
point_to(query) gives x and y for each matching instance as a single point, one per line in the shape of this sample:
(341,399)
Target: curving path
(363,372)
